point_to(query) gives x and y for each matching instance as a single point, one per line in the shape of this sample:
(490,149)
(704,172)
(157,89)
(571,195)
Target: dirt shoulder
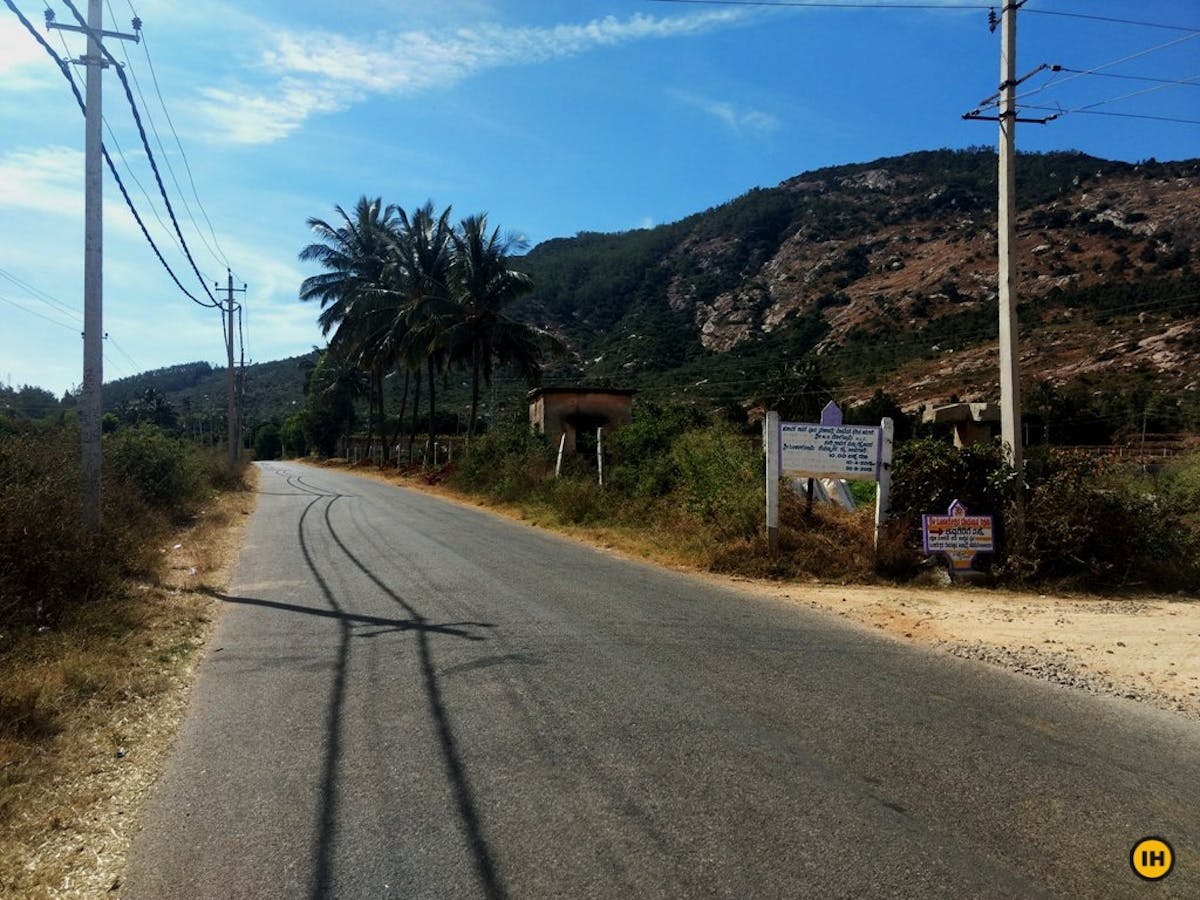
(73,800)
(1145,649)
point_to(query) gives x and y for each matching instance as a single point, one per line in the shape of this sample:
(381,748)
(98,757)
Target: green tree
(483,285)
(355,255)
(419,276)
(334,385)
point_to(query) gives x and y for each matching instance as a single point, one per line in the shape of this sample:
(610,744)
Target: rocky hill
(884,273)
(887,271)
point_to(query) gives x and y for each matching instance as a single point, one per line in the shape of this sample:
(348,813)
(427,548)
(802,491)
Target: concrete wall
(554,412)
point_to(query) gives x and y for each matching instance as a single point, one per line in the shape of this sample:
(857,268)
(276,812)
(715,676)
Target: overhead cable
(149,152)
(216,254)
(66,72)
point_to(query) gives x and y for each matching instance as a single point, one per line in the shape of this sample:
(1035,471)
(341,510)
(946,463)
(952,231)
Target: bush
(509,463)
(267,442)
(1089,520)
(720,479)
(642,466)
(164,470)
(929,474)
(577,500)
(47,558)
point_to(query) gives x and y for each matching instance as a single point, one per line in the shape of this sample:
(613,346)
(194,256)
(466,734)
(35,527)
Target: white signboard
(830,451)
(827,450)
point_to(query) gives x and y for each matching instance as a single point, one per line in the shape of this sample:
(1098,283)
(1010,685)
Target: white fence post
(883,488)
(600,455)
(562,443)
(771,446)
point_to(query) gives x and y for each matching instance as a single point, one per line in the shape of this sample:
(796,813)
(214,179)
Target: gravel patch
(1061,668)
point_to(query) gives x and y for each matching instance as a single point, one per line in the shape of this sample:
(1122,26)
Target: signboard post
(771,445)
(957,536)
(828,450)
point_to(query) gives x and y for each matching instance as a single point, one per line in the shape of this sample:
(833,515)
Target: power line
(1167,81)
(34,312)
(165,156)
(183,154)
(1108,65)
(66,72)
(1160,87)
(149,153)
(1119,115)
(41,295)
(1144,24)
(830,4)
(856,4)
(133,362)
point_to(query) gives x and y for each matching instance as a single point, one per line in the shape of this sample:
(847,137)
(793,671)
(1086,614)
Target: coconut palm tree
(483,285)
(419,270)
(355,255)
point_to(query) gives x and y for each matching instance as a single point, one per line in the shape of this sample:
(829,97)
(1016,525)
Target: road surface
(408,698)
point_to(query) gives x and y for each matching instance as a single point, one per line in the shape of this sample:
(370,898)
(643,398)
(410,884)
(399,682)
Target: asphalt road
(406,698)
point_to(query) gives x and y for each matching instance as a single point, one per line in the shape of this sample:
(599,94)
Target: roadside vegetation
(93,630)
(688,487)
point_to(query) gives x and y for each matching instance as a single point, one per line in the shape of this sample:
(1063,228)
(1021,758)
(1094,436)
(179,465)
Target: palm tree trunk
(370,411)
(412,434)
(474,392)
(432,407)
(395,441)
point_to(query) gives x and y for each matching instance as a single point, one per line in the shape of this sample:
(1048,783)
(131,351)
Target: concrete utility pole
(235,436)
(91,402)
(1010,376)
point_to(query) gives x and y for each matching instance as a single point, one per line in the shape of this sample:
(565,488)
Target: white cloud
(48,180)
(738,120)
(321,71)
(256,118)
(18,49)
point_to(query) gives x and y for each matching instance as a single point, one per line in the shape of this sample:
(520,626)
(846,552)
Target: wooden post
(600,455)
(771,446)
(562,443)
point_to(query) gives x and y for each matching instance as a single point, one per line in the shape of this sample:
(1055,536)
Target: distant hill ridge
(896,259)
(885,270)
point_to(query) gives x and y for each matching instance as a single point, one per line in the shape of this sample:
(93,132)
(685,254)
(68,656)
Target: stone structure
(973,423)
(578,412)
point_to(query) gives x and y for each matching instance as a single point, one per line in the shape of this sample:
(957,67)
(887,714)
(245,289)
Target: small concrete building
(973,423)
(578,412)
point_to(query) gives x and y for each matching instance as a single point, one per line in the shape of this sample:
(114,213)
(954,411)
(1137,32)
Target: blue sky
(598,115)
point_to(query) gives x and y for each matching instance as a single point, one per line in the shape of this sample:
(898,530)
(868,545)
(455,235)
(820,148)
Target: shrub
(47,558)
(1089,520)
(508,463)
(642,466)
(720,479)
(577,500)
(165,470)
(929,474)
(267,442)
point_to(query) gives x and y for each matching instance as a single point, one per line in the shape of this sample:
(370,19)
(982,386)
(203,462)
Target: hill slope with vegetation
(886,272)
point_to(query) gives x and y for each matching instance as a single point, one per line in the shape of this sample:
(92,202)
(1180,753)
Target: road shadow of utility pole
(486,868)
(322,884)
(453,629)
